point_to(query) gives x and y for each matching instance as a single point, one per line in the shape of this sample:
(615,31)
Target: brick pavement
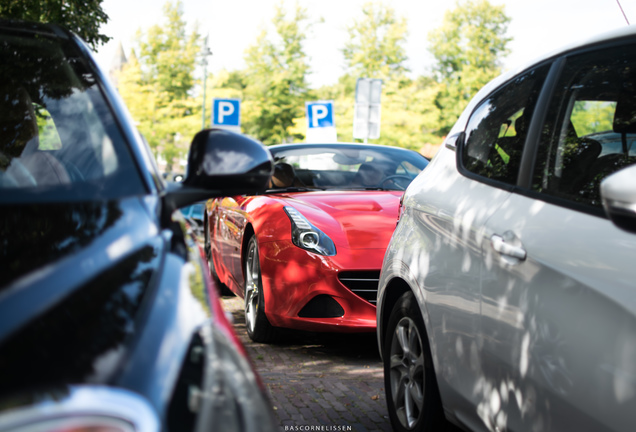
(333,382)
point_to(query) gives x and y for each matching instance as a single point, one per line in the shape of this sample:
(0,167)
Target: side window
(496,130)
(591,126)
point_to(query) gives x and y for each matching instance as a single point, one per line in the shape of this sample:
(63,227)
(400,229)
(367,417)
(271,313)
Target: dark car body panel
(110,291)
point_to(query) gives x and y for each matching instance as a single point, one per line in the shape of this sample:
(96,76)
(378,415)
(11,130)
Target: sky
(537,27)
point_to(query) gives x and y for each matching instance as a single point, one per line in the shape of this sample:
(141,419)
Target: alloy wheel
(252,286)
(407,372)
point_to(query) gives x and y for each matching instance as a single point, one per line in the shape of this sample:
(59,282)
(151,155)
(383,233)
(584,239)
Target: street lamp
(205,52)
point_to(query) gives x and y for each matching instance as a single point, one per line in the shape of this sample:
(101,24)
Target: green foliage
(376,43)
(83,17)
(276,79)
(468,48)
(169,54)
(590,117)
(157,86)
(376,50)
(273,88)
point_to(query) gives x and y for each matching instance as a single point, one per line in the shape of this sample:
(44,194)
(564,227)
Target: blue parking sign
(319,114)
(226,112)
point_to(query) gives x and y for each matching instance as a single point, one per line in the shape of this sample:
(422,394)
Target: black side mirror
(221,163)
(618,192)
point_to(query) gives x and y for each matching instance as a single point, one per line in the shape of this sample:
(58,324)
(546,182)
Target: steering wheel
(395,177)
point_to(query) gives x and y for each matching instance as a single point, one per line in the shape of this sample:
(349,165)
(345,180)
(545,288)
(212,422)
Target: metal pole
(205,76)
(205,53)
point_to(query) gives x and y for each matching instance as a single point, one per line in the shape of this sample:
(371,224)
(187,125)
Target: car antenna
(621,8)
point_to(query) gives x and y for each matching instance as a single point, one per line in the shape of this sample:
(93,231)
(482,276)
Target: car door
(489,160)
(234,223)
(558,278)
(227,234)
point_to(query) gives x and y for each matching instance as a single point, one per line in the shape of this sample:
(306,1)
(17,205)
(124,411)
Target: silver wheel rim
(407,372)
(252,271)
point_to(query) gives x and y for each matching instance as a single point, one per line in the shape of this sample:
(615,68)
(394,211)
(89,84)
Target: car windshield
(344,166)
(58,138)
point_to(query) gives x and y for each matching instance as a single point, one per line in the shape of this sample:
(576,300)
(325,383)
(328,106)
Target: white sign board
(366,117)
(226,114)
(321,124)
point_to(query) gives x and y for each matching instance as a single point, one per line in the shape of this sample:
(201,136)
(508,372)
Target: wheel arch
(247,235)
(395,288)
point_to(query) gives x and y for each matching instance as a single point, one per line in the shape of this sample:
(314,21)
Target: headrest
(283,175)
(368,175)
(625,114)
(18,124)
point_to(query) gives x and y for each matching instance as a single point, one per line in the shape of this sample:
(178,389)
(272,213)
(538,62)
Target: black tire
(412,395)
(258,327)
(222,289)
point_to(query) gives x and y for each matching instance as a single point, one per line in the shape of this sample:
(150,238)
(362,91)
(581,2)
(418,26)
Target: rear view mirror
(220,159)
(618,192)
(221,163)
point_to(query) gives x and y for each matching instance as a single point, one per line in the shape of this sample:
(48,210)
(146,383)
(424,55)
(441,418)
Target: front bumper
(298,285)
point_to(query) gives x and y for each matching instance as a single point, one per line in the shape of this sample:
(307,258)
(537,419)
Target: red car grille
(362,283)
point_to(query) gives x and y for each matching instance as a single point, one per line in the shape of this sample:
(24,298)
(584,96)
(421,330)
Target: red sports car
(307,253)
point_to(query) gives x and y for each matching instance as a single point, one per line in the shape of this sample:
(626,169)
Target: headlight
(308,237)
(81,409)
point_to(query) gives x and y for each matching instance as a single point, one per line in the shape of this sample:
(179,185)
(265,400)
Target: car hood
(353,219)
(73,277)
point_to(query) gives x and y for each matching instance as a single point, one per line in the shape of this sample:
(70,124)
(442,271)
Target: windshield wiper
(294,189)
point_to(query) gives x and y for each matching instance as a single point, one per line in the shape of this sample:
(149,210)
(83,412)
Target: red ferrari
(307,253)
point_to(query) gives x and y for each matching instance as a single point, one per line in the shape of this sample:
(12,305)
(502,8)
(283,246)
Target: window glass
(58,137)
(591,126)
(342,166)
(496,130)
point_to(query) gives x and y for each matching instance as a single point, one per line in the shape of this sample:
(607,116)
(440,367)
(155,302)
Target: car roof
(48,29)
(335,145)
(601,38)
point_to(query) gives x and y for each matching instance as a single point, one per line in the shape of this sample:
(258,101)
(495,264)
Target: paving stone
(319,380)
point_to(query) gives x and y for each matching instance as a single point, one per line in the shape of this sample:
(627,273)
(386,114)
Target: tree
(169,53)
(376,43)
(276,79)
(375,49)
(83,17)
(157,87)
(468,48)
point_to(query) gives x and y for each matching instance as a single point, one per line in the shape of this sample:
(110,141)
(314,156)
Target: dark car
(108,317)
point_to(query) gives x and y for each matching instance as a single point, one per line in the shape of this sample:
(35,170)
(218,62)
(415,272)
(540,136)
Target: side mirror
(453,141)
(221,163)
(618,192)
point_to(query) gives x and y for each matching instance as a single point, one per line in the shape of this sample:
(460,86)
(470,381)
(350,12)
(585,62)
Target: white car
(507,298)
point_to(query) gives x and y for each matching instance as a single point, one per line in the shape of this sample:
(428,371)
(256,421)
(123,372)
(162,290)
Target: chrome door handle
(500,245)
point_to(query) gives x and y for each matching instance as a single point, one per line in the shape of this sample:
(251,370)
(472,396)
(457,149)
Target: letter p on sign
(225,109)
(318,112)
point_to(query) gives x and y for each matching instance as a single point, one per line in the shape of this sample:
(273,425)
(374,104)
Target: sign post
(321,125)
(226,114)
(366,118)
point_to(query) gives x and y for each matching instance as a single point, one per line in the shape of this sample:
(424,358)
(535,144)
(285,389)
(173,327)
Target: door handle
(500,245)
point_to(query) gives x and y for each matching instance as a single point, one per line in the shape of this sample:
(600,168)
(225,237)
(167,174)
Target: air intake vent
(322,306)
(362,283)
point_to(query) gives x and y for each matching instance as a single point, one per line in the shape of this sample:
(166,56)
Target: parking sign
(321,126)
(226,114)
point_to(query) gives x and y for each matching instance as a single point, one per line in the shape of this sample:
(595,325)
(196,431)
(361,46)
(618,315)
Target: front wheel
(412,396)
(258,327)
